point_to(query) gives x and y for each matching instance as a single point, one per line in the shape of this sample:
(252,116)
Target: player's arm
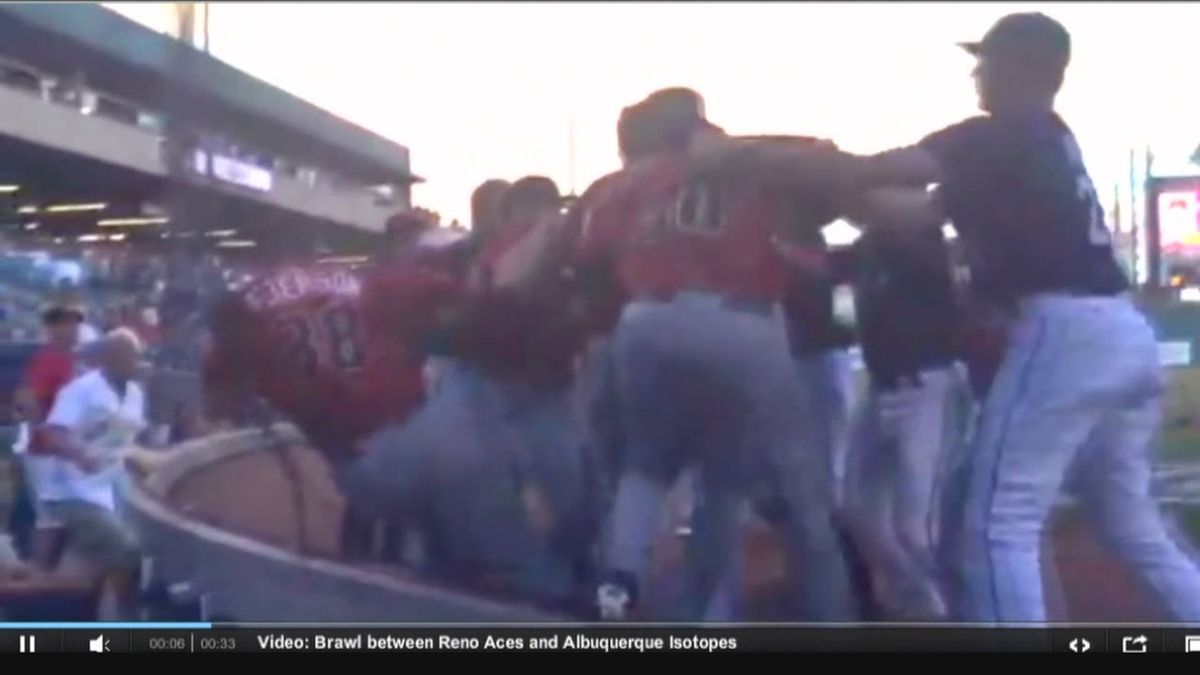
(890,189)
(895,207)
(912,166)
(58,437)
(799,161)
(953,151)
(541,251)
(942,154)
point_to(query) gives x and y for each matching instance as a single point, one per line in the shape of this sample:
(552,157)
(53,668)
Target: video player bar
(597,639)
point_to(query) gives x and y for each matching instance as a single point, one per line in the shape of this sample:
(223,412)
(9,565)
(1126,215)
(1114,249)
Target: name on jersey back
(293,284)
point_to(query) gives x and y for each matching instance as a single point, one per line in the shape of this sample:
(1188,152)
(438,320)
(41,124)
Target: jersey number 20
(1098,234)
(339,327)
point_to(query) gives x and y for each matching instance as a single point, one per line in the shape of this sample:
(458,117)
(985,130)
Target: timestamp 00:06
(163,641)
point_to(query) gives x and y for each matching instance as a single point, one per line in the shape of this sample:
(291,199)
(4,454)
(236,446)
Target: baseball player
(907,318)
(602,297)
(1080,386)
(334,352)
(526,339)
(704,374)
(495,462)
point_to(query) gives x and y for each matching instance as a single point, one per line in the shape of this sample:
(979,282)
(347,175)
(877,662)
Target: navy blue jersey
(905,303)
(1018,193)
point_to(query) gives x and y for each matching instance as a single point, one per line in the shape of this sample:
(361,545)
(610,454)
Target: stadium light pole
(571,153)
(207,8)
(177,147)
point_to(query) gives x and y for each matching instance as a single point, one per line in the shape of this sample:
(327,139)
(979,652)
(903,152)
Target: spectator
(146,324)
(93,424)
(50,369)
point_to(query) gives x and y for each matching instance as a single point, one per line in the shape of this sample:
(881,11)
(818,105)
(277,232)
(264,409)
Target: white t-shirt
(106,424)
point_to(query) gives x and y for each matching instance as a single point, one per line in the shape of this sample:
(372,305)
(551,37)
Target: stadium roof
(137,62)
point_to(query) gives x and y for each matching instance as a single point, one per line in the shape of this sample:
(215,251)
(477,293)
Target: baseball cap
(61,310)
(1029,37)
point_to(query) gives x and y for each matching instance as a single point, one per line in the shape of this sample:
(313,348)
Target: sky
(483,90)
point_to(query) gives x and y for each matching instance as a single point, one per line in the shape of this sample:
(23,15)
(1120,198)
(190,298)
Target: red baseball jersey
(528,333)
(669,232)
(334,352)
(601,206)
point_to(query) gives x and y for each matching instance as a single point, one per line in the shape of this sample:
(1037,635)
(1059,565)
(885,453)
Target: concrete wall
(29,118)
(26,116)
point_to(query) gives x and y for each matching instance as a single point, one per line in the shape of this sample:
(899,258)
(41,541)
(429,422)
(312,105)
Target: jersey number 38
(330,338)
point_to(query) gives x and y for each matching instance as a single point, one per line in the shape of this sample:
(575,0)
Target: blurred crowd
(159,297)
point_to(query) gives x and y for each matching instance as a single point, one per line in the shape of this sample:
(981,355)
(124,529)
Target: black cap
(1029,37)
(53,316)
(63,308)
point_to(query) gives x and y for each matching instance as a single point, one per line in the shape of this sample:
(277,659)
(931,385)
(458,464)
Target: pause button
(16,641)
